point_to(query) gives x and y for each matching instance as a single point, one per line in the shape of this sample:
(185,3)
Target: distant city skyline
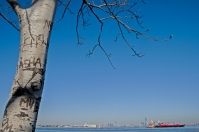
(87,125)
(163,85)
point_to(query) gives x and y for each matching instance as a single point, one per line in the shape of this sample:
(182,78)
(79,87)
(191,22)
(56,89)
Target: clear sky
(163,85)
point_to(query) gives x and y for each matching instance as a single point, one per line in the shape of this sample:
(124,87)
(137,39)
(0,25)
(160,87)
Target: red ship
(169,125)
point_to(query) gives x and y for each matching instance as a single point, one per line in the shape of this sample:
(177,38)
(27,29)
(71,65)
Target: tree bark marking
(6,126)
(29,102)
(28,63)
(33,41)
(48,24)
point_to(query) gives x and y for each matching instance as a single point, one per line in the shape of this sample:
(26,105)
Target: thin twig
(66,7)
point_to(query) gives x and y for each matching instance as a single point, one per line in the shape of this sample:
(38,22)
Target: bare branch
(119,11)
(77,23)
(99,36)
(120,22)
(143,1)
(9,21)
(66,7)
(15,5)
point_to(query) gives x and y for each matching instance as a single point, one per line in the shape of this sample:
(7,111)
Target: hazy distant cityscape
(109,125)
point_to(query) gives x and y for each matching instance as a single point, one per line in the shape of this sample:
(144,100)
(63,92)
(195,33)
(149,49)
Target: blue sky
(163,85)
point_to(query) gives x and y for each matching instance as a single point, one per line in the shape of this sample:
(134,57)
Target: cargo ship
(160,125)
(169,125)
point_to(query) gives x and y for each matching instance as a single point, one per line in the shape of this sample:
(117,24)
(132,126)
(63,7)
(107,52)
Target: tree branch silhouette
(120,11)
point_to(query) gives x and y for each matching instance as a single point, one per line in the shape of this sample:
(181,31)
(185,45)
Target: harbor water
(182,129)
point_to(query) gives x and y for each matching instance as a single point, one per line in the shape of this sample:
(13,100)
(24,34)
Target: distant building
(145,122)
(90,125)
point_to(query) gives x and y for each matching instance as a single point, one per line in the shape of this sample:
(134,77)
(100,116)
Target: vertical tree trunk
(23,103)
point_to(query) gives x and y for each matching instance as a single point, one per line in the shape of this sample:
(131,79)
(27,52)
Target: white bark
(23,102)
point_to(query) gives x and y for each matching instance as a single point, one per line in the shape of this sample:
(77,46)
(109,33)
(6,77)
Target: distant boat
(169,125)
(152,125)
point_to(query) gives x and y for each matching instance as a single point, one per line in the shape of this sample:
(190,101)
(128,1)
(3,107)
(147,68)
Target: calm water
(184,129)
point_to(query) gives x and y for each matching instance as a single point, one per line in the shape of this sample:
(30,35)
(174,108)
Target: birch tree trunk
(23,103)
